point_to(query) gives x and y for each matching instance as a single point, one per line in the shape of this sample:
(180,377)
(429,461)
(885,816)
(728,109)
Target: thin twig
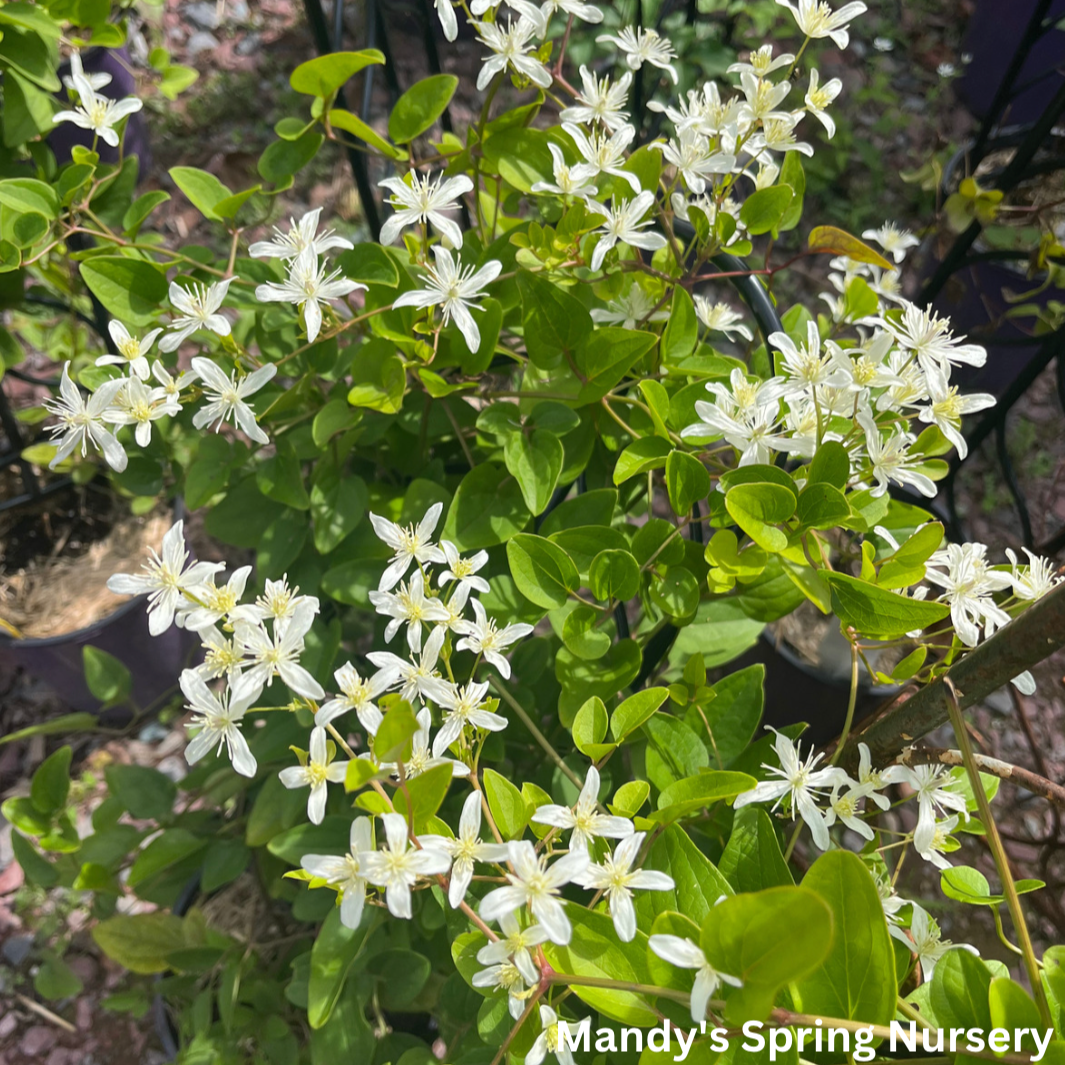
(45,1012)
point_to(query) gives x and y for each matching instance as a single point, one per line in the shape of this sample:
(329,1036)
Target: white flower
(358,694)
(720,318)
(506,975)
(778,135)
(278,602)
(817,99)
(466,849)
(761,62)
(165,579)
(924,940)
(411,544)
(817,19)
(752,433)
(97,81)
(453,288)
(346,872)
(409,606)
(319,772)
(947,408)
(199,310)
(465,706)
(419,679)
(131,351)
(875,780)
(536,885)
(933,787)
(172,387)
(1024,683)
(423,200)
(584,818)
(939,842)
(623,223)
(514,944)
(1036,579)
(221,657)
(883,44)
(843,807)
(600,101)
(946,70)
(690,153)
(448,22)
(890,903)
(569,180)
(307,285)
(301,236)
(630,310)
(801,781)
(548,1041)
(80,421)
(137,404)
(617,879)
(211,603)
(219,720)
(929,337)
(278,655)
(761,100)
(643,46)
(95,112)
(455,607)
(605,155)
(577,8)
(968,585)
(464,570)
(686,955)
(483,638)
(865,366)
(805,367)
(397,866)
(511,47)
(226,397)
(421,757)
(890,460)
(896,242)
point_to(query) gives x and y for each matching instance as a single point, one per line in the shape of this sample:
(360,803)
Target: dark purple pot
(154,662)
(992,38)
(116,62)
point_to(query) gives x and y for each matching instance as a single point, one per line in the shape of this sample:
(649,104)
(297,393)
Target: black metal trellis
(1032,156)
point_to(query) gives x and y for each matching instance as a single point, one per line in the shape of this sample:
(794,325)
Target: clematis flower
(617,879)
(464,706)
(817,19)
(93,111)
(896,242)
(947,408)
(929,337)
(277,655)
(199,306)
(218,719)
(413,543)
(418,679)
(624,224)
(346,872)
(511,48)
(548,1041)
(397,866)
(422,758)
(643,46)
(96,80)
(817,99)
(278,602)
(464,570)
(605,154)
(81,421)
(137,404)
(227,397)
(319,772)
(307,286)
(876,780)
(803,366)
(925,941)
(131,351)
(536,885)
(506,975)
(513,945)
(938,844)
(212,603)
(843,807)
(890,461)
(454,289)
(483,638)
(600,101)
(584,819)
(466,849)
(357,693)
(968,584)
(1033,581)
(932,784)
(165,579)
(301,236)
(425,200)
(686,955)
(720,318)
(569,180)
(628,310)
(222,657)
(409,606)
(799,780)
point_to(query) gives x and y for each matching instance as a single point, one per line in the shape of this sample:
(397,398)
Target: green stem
(852,701)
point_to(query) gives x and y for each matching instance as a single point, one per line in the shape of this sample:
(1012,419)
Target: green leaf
(697,882)
(580,635)
(821,506)
(635,710)
(1012,1008)
(27,110)
(130,289)
(878,613)
(224,861)
(208,472)
(284,158)
(139,210)
(752,860)
(394,734)
(420,106)
(167,850)
(509,809)
(324,75)
(535,462)
(141,943)
(768,939)
(697,792)
(757,508)
(38,871)
(614,574)
(605,677)
(51,782)
(488,508)
(676,593)
(763,210)
(630,797)
(605,357)
(833,241)
(332,956)
(591,508)
(589,726)
(543,572)
(961,983)
(832,464)
(203,190)
(55,980)
(338,503)
(687,481)
(378,380)
(792,174)
(554,321)
(146,793)
(647,453)
(61,725)
(401,976)
(734,713)
(29,196)
(427,792)
(682,328)
(354,125)
(857,979)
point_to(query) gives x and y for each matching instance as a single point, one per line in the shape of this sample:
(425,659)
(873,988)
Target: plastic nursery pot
(797,690)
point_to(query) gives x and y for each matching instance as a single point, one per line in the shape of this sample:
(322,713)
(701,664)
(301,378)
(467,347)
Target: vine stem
(998,851)
(852,700)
